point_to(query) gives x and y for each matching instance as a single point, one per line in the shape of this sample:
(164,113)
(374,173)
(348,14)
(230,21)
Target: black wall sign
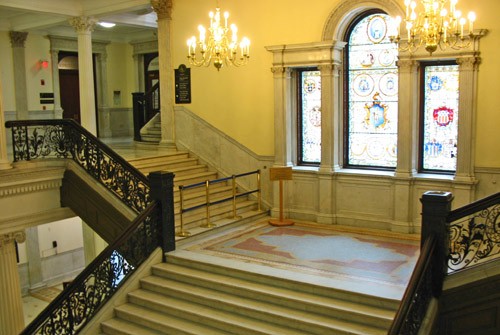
(183,85)
(46,98)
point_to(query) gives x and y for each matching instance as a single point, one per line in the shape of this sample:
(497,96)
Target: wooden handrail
(415,290)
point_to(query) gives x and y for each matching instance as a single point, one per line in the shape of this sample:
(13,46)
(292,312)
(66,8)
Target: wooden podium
(280,174)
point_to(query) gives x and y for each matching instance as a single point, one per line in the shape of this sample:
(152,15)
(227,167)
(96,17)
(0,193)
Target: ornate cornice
(18,236)
(17,38)
(58,43)
(16,182)
(145,47)
(163,8)
(83,24)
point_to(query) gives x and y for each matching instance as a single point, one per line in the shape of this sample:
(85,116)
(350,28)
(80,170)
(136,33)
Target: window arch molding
(341,17)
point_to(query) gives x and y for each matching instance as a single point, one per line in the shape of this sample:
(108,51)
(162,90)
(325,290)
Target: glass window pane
(372,94)
(310,127)
(440,118)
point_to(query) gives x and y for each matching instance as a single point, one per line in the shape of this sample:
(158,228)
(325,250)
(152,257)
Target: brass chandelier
(217,46)
(439,24)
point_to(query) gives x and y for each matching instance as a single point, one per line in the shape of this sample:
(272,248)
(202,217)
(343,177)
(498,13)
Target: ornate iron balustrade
(474,233)
(69,312)
(65,138)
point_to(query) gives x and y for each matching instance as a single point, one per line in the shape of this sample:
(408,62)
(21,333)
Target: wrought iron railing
(454,240)
(144,107)
(210,202)
(70,311)
(65,138)
(474,233)
(418,294)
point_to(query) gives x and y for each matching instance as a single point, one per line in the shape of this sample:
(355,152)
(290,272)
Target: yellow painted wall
(120,73)
(240,101)
(37,47)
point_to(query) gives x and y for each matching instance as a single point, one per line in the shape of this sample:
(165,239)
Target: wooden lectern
(280,173)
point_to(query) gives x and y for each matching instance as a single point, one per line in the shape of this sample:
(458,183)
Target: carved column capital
(406,65)
(326,68)
(278,70)
(83,24)
(17,38)
(163,8)
(468,63)
(18,236)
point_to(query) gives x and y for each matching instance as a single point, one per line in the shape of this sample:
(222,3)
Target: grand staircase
(187,171)
(190,296)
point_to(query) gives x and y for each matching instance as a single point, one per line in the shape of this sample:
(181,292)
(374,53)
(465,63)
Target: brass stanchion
(234,199)
(283,173)
(259,193)
(208,224)
(182,232)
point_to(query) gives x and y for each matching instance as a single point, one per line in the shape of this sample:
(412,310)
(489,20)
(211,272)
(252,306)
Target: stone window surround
(327,55)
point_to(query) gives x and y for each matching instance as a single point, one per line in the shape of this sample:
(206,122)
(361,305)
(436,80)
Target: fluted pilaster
(163,9)
(84,26)
(17,40)
(11,304)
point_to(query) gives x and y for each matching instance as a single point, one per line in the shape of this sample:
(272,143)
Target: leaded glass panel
(440,117)
(372,94)
(310,127)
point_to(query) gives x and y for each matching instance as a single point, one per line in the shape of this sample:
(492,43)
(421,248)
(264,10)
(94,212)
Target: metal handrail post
(259,192)
(234,198)
(208,224)
(182,232)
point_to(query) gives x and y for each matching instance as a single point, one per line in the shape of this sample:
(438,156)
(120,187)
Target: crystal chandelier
(438,25)
(218,47)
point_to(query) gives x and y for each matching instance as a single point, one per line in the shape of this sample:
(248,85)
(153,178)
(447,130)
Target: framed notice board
(183,85)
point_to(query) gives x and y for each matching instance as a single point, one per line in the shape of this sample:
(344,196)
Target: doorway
(69,85)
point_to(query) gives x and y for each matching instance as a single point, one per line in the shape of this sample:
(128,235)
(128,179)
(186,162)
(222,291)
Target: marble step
(361,317)
(302,314)
(154,160)
(192,261)
(136,320)
(204,315)
(194,178)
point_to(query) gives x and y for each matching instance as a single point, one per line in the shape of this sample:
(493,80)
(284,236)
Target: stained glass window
(440,118)
(310,116)
(372,80)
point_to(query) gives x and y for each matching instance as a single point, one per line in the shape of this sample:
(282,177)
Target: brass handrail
(208,203)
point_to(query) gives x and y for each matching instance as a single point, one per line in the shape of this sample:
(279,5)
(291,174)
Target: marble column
(34,259)
(17,40)
(84,26)
(102,96)
(282,116)
(11,304)
(407,146)
(4,161)
(58,111)
(163,9)
(468,67)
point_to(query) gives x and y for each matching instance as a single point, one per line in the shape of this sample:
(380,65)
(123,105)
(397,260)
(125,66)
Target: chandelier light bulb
(434,24)
(218,45)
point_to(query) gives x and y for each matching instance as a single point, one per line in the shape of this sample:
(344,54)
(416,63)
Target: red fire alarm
(44,63)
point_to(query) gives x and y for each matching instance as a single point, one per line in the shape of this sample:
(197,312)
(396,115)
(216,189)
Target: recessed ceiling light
(107,24)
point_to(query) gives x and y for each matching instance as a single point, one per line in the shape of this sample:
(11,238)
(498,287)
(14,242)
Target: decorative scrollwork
(475,239)
(80,301)
(65,139)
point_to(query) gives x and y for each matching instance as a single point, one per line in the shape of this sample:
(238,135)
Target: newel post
(436,206)
(138,114)
(162,190)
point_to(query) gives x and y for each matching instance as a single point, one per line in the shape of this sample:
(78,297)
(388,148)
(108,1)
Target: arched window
(371,97)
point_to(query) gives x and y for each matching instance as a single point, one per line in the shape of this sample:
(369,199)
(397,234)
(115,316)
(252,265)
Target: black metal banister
(474,207)
(154,227)
(94,286)
(64,138)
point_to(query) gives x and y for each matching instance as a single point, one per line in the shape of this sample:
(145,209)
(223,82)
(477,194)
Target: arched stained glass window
(371,120)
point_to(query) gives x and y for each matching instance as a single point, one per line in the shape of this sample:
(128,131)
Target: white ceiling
(135,19)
